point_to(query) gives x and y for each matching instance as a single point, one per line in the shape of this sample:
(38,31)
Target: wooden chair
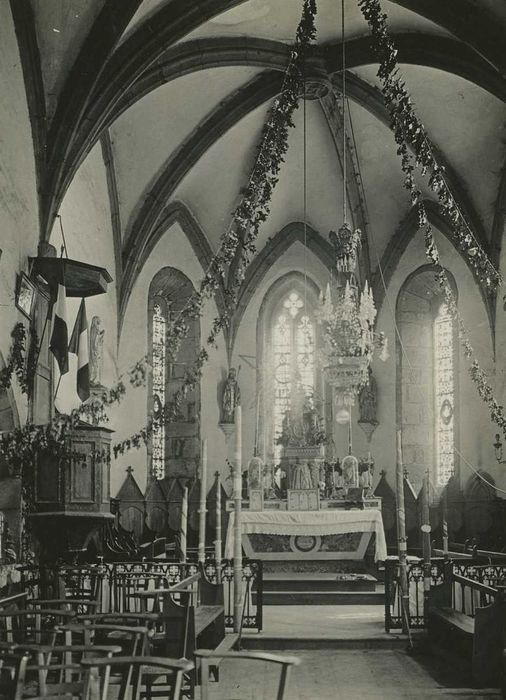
(31,624)
(78,606)
(12,674)
(61,663)
(136,672)
(133,639)
(207,658)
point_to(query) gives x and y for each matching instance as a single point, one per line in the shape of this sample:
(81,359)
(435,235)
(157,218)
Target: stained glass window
(159,320)
(444,395)
(293,344)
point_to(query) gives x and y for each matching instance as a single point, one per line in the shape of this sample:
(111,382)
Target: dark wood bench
(470,618)
(191,615)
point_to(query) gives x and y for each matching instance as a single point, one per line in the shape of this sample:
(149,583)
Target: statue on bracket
(96,351)
(231,397)
(368,405)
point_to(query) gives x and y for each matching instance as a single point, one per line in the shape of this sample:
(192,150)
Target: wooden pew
(470,617)
(191,614)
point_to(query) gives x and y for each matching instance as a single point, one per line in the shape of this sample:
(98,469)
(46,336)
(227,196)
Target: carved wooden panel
(82,473)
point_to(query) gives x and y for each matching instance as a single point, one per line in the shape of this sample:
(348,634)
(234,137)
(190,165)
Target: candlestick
(217,543)
(202,509)
(401,537)
(184,524)
(237,521)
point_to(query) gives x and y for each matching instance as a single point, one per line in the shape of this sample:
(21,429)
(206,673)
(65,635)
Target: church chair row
(92,678)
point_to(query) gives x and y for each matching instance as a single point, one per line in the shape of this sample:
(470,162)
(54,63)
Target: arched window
(174,446)
(427,391)
(287,341)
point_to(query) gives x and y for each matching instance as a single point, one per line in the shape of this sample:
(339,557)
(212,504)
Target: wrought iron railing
(112,584)
(393,602)
(488,574)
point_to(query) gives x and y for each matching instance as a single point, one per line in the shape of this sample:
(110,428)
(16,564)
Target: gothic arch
(419,401)
(307,288)
(176,212)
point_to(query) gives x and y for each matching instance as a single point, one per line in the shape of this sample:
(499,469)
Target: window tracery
(444,395)
(293,348)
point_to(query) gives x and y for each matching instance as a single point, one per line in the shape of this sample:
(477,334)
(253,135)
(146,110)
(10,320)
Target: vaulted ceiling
(178,91)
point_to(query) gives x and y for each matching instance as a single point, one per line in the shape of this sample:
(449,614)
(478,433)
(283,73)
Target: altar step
(321,589)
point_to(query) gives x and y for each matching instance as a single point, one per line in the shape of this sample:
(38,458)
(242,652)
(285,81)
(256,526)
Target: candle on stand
(445,526)
(401,537)
(217,542)
(202,509)
(237,520)
(184,524)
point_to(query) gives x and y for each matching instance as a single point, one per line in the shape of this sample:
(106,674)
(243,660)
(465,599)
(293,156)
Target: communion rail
(486,574)
(113,583)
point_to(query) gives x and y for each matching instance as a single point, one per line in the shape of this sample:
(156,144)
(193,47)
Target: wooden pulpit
(72,494)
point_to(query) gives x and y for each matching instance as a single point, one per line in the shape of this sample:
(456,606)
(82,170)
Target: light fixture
(346,314)
(498,449)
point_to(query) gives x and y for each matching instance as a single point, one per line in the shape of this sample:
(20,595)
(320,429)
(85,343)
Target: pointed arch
(272,251)
(148,59)
(228,113)
(176,212)
(398,244)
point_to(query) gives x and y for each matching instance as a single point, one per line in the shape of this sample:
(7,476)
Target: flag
(59,336)
(79,345)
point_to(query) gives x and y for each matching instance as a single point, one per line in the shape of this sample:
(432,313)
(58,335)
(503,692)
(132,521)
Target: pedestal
(228,429)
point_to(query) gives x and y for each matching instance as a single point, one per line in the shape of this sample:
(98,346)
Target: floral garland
(410,133)
(248,216)
(17,362)
(239,238)
(241,235)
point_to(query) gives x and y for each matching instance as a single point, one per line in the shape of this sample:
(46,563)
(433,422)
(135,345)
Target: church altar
(296,535)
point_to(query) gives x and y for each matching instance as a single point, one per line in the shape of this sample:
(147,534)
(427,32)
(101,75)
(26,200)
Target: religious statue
(96,351)
(350,472)
(301,476)
(255,470)
(314,469)
(231,397)
(368,401)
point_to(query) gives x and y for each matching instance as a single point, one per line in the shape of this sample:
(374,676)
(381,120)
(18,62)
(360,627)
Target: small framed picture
(25,294)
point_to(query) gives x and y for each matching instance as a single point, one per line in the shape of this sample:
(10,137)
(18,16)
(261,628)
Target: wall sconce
(498,449)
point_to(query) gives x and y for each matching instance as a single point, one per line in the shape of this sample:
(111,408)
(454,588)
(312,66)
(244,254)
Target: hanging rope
(304,186)
(343,104)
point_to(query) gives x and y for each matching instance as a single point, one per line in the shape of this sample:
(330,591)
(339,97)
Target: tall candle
(202,509)
(217,543)
(184,524)
(237,521)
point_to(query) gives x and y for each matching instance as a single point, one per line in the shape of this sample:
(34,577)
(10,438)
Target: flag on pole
(79,345)
(59,336)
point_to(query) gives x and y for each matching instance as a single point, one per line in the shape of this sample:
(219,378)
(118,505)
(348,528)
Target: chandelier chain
(343,95)
(304,168)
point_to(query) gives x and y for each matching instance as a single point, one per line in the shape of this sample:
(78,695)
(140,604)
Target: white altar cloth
(311,522)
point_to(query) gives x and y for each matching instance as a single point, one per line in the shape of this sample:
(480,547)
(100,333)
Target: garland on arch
(416,151)
(409,132)
(20,445)
(253,209)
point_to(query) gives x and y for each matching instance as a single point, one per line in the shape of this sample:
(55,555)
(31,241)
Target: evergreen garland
(416,152)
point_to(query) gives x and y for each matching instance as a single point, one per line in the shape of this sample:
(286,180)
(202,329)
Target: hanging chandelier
(346,314)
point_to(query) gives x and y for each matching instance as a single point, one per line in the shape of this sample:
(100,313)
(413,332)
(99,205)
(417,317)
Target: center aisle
(347,675)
